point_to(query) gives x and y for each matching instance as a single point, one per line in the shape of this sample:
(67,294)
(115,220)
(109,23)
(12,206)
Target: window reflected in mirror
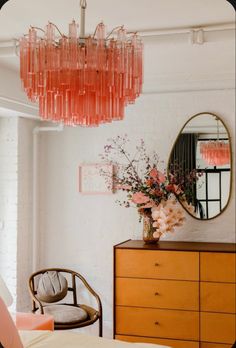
(203,149)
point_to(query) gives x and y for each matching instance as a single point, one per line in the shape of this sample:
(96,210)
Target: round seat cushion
(65,314)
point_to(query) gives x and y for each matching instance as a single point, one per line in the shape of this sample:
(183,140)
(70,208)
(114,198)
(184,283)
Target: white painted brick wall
(24,245)
(16,155)
(8,202)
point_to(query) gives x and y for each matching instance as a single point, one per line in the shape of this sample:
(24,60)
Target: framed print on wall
(96,178)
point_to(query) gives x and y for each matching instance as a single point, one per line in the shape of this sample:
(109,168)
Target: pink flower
(160,177)
(174,188)
(153,173)
(149,182)
(155,224)
(140,198)
(156,234)
(158,193)
(170,188)
(157,175)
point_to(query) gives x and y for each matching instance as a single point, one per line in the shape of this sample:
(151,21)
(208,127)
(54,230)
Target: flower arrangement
(152,191)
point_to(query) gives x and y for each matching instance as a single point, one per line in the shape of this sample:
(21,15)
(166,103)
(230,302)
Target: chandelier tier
(215,153)
(81,80)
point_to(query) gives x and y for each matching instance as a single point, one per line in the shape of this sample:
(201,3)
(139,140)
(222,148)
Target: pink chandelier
(81,80)
(215,152)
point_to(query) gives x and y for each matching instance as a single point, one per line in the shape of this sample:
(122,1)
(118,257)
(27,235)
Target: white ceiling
(17,15)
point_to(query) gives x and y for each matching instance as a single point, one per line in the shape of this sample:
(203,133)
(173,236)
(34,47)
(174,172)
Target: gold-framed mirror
(203,146)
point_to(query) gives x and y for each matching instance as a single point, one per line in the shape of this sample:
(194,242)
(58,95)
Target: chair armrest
(92,292)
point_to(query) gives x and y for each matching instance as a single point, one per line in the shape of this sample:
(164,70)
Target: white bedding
(64,339)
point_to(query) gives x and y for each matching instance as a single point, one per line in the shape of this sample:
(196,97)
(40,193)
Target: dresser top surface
(179,246)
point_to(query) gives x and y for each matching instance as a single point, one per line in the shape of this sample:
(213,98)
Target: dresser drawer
(170,294)
(157,264)
(214,345)
(161,323)
(217,297)
(217,327)
(161,341)
(217,267)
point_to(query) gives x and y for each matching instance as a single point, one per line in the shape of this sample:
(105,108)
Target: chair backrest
(41,280)
(52,287)
(9,337)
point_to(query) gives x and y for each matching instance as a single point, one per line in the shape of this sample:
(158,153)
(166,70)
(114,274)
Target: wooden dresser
(178,294)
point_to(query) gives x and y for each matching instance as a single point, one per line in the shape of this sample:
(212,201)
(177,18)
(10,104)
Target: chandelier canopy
(81,80)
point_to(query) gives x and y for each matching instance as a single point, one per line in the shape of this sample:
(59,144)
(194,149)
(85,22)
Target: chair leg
(100,326)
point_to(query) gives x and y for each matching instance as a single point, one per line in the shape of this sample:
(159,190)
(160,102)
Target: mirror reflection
(203,147)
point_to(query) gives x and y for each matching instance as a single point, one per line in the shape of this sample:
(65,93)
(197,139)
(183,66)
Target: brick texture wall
(24,223)
(16,157)
(8,202)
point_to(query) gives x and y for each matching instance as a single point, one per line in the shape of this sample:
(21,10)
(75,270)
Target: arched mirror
(203,148)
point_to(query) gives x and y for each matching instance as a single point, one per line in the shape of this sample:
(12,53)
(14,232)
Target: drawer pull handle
(156,264)
(156,323)
(156,293)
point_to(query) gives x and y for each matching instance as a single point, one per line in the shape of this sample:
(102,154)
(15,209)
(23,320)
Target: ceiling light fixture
(81,80)
(215,152)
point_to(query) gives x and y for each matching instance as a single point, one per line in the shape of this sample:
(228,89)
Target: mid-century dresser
(178,294)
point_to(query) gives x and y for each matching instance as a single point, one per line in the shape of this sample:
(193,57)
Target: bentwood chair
(49,286)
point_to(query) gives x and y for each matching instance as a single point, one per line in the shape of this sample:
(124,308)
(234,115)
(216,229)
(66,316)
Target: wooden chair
(66,315)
